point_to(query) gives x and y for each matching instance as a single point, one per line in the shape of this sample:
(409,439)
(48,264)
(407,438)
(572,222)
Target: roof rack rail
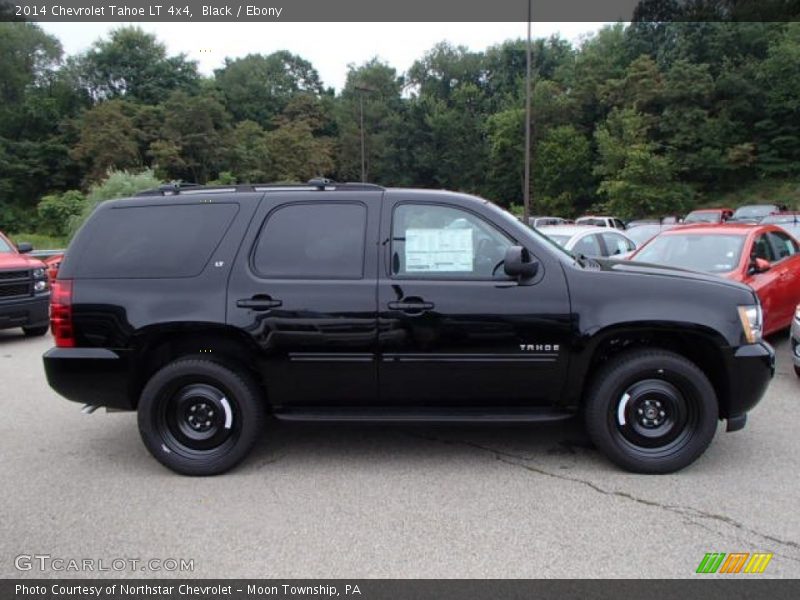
(317,183)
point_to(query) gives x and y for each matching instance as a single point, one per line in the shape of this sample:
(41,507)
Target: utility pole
(363,89)
(526,193)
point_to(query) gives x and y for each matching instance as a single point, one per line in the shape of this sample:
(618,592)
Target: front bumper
(750,369)
(90,376)
(31,311)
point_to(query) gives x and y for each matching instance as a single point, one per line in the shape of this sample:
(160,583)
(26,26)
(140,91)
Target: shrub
(56,210)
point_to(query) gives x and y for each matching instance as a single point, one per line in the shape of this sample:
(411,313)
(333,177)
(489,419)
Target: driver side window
(439,242)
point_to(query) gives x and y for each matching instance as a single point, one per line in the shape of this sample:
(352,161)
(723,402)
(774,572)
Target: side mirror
(519,264)
(759,265)
(24,247)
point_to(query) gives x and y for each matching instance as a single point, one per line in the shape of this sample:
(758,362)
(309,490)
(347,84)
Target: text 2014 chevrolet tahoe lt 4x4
(206,309)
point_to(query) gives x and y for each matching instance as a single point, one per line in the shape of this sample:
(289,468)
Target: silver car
(591,241)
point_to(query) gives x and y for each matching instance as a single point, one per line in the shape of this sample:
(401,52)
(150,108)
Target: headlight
(40,285)
(752,323)
(39,273)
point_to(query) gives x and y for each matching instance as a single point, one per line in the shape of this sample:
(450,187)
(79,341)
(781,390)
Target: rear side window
(616,244)
(588,245)
(312,241)
(782,245)
(164,241)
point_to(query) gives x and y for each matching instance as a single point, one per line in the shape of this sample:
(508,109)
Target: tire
(797,370)
(199,417)
(651,411)
(35,331)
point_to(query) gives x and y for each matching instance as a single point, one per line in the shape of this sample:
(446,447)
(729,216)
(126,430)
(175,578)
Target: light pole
(526,192)
(363,89)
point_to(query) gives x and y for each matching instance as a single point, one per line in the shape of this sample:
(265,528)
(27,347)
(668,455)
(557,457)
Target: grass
(40,241)
(770,191)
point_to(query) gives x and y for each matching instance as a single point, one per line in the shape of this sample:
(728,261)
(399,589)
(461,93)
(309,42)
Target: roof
(714,229)
(714,210)
(572,230)
(322,184)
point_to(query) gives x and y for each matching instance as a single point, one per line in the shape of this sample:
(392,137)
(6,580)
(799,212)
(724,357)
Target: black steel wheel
(199,417)
(651,411)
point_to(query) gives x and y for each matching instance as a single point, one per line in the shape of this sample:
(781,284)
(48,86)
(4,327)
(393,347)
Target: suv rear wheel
(651,411)
(199,417)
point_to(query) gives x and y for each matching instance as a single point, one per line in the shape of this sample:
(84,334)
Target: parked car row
(755,245)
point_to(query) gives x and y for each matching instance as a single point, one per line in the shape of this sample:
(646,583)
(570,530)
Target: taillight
(61,313)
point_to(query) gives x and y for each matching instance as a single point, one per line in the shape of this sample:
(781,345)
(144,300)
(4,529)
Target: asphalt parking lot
(345,501)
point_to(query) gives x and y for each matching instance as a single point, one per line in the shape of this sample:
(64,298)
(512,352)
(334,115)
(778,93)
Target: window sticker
(439,250)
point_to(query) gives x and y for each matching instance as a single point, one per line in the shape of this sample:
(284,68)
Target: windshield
(709,253)
(642,233)
(755,211)
(4,246)
(702,217)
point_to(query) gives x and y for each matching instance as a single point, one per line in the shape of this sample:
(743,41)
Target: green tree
(383,124)
(193,134)
(636,180)
(134,64)
(562,173)
(56,210)
(258,87)
(108,139)
(248,157)
(779,129)
(505,175)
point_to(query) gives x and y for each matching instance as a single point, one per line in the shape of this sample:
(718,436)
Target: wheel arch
(700,344)
(156,347)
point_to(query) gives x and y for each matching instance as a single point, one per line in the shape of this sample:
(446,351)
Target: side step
(424,415)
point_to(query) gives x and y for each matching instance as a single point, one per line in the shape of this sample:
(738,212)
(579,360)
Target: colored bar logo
(735,562)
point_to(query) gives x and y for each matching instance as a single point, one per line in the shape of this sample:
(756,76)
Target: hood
(649,269)
(12,260)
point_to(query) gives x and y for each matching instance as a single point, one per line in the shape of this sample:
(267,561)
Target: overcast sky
(329,46)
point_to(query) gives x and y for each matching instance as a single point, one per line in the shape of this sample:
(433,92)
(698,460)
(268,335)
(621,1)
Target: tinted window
(588,245)
(152,241)
(304,241)
(432,241)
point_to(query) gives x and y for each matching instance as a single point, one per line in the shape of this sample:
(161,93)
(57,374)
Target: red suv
(24,289)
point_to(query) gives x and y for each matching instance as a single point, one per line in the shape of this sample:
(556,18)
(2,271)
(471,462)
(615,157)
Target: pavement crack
(689,512)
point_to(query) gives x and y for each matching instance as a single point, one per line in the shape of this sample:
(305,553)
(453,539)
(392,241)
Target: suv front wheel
(651,411)
(199,417)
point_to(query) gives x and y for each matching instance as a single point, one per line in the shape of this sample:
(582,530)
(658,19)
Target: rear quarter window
(162,241)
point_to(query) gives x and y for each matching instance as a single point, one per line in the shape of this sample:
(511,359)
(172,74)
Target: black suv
(206,309)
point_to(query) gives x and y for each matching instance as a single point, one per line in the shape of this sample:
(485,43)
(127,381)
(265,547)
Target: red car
(53,263)
(764,257)
(708,215)
(24,289)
